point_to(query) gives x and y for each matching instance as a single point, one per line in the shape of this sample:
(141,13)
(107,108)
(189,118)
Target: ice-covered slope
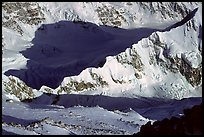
(129,55)
(164,64)
(40,117)
(66,48)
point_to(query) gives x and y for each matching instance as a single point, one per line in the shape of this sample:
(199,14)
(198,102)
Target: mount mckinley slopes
(75,57)
(129,62)
(163,64)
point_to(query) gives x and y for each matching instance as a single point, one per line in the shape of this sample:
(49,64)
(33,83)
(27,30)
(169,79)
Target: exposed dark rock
(18,88)
(110,16)
(188,124)
(193,75)
(25,12)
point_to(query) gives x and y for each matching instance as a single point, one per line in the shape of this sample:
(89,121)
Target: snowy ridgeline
(73,56)
(161,63)
(109,79)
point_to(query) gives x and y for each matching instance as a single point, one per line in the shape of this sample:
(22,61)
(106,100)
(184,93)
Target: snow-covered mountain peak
(123,60)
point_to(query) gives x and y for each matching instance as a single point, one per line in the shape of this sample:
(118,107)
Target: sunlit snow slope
(140,52)
(151,61)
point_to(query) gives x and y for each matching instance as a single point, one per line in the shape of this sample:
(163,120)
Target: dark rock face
(192,75)
(188,124)
(24,12)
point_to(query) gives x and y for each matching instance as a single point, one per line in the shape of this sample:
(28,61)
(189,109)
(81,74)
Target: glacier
(59,59)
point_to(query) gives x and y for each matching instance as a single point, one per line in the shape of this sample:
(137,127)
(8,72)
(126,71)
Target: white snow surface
(158,94)
(84,120)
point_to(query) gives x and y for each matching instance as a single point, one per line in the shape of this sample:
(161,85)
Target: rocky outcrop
(18,88)
(188,124)
(136,69)
(110,16)
(24,12)
(193,75)
(78,86)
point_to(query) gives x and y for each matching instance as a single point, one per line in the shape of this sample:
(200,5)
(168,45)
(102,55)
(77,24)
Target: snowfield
(40,117)
(106,70)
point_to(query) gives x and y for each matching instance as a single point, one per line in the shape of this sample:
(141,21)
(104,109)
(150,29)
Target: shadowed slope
(66,48)
(153,108)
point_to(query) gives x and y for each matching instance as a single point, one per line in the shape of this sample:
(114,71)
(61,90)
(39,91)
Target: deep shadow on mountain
(9,119)
(152,108)
(66,48)
(4,132)
(189,124)
(190,15)
(200,38)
